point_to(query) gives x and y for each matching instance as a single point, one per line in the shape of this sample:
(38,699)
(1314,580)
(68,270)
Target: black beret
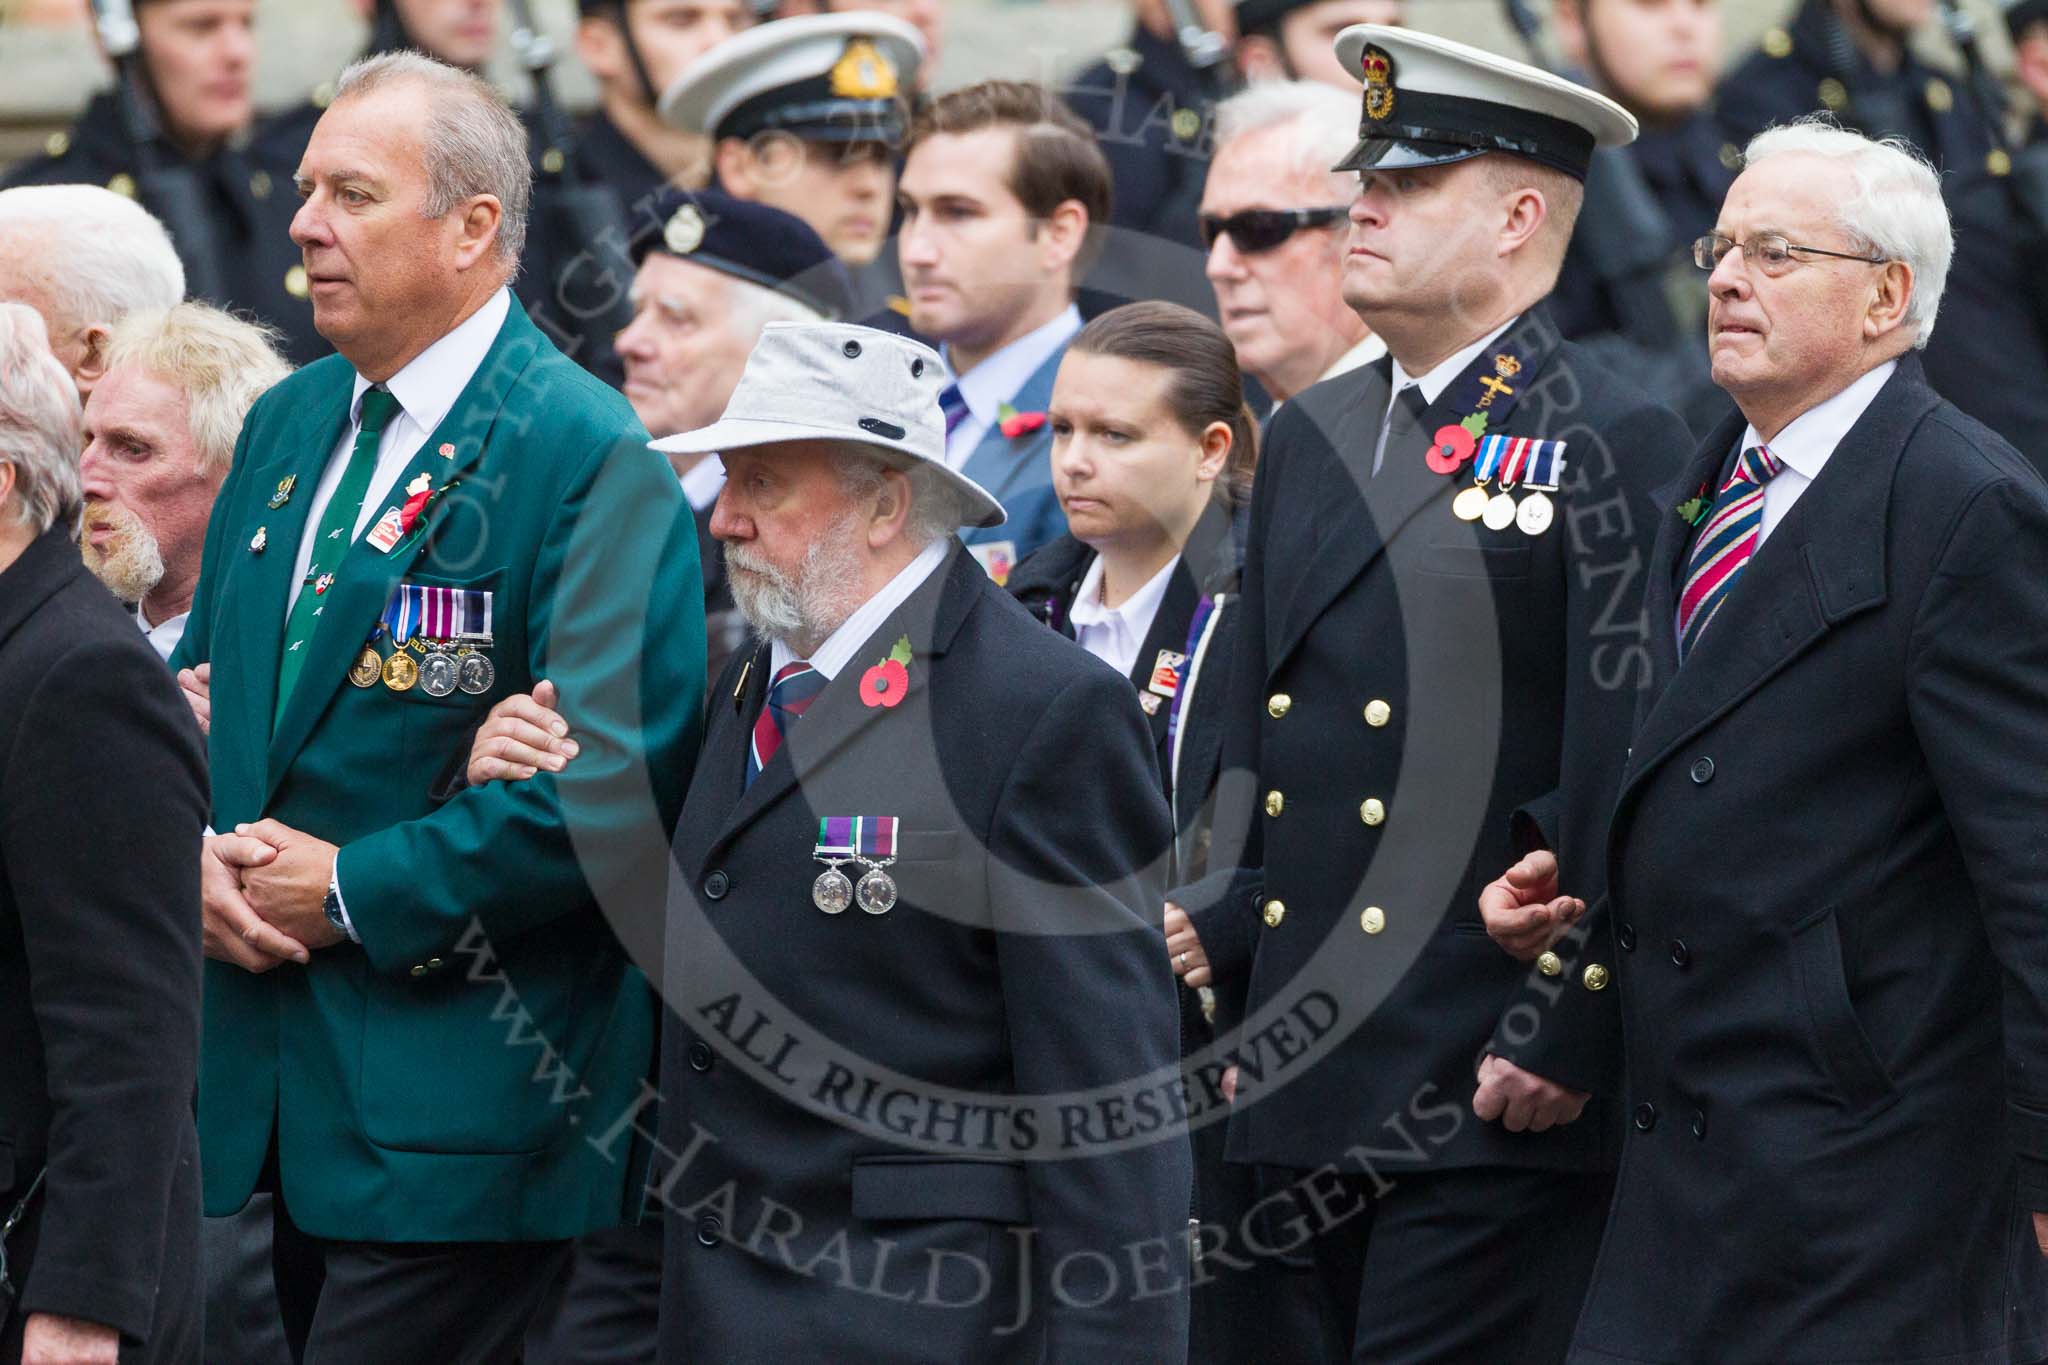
(2021,13)
(748,241)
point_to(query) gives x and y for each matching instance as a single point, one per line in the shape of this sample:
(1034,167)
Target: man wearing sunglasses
(1274,224)
(1417,696)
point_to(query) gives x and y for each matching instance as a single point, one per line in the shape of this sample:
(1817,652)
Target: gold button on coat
(295,281)
(1940,98)
(259,184)
(1550,964)
(1372,919)
(1275,803)
(1378,713)
(1595,978)
(1373,811)
(1778,43)
(1274,913)
(1277,704)
(1998,161)
(1834,96)
(122,184)
(57,143)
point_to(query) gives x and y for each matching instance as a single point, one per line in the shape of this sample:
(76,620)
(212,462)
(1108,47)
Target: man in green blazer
(420,1023)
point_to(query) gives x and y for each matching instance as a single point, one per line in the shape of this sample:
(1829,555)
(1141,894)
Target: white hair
(95,256)
(1324,121)
(219,362)
(751,307)
(472,144)
(937,508)
(1897,210)
(39,422)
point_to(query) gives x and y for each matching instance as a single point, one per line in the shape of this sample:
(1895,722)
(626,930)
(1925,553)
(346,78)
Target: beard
(808,605)
(131,562)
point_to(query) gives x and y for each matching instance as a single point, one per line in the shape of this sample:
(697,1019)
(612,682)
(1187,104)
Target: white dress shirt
(1433,383)
(838,649)
(996,380)
(1808,440)
(1116,634)
(425,389)
(164,635)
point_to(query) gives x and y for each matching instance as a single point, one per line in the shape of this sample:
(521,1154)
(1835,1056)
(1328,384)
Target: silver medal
(475,674)
(1500,512)
(438,673)
(876,892)
(833,891)
(1535,514)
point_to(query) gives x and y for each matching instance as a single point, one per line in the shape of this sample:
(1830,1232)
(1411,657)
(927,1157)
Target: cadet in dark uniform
(1629,288)
(1852,58)
(192,74)
(625,154)
(1150,108)
(1437,631)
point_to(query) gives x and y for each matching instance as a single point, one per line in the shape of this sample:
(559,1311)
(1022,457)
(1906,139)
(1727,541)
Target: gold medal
(1469,505)
(1535,514)
(400,672)
(368,667)
(1499,513)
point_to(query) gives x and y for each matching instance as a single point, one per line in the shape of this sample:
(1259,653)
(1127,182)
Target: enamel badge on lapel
(283,494)
(447,451)
(259,540)
(1166,668)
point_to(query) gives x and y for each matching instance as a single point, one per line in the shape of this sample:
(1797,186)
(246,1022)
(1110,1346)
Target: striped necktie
(953,405)
(1725,543)
(796,686)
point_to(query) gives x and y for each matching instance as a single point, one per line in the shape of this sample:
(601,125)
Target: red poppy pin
(421,496)
(1454,442)
(1014,423)
(888,681)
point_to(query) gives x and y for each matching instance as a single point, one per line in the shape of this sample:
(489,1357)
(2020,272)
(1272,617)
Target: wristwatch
(330,904)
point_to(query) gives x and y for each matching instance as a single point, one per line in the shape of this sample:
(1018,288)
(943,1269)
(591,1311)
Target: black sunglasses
(1257,230)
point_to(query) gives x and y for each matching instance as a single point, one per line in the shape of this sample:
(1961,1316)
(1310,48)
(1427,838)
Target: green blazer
(465,1073)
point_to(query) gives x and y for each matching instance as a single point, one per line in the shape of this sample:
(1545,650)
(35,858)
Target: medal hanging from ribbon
(1538,465)
(869,840)
(1513,461)
(430,618)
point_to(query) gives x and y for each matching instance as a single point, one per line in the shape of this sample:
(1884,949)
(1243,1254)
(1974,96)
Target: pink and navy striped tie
(796,686)
(1724,544)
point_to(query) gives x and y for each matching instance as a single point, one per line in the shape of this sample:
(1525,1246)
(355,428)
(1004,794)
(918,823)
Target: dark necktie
(331,542)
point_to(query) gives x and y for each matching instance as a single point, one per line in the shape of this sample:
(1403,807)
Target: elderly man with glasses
(1273,223)
(1825,871)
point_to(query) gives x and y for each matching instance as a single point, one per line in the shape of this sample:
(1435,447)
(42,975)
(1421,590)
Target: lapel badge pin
(447,450)
(284,491)
(259,540)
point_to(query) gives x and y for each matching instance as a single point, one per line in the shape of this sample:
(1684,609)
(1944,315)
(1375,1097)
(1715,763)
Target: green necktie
(337,526)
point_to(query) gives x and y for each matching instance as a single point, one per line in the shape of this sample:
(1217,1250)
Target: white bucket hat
(835,381)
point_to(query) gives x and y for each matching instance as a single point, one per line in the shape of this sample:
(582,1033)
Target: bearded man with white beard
(891,865)
(160,433)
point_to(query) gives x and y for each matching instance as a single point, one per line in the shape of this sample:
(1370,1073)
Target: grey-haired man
(916,1011)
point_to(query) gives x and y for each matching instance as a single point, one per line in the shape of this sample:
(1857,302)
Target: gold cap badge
(1377,66)
(863,73)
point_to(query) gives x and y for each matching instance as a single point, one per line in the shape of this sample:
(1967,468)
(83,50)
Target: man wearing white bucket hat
(920,1040)
(1443,642)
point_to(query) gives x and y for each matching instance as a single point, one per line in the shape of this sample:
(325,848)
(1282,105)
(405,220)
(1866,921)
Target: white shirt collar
(996,380)
(1808,439)
(703,480)
(1439,378)
(1137,609)
(431,382)
(1116,635)
(1369,349)
(842,644)
(164,635)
